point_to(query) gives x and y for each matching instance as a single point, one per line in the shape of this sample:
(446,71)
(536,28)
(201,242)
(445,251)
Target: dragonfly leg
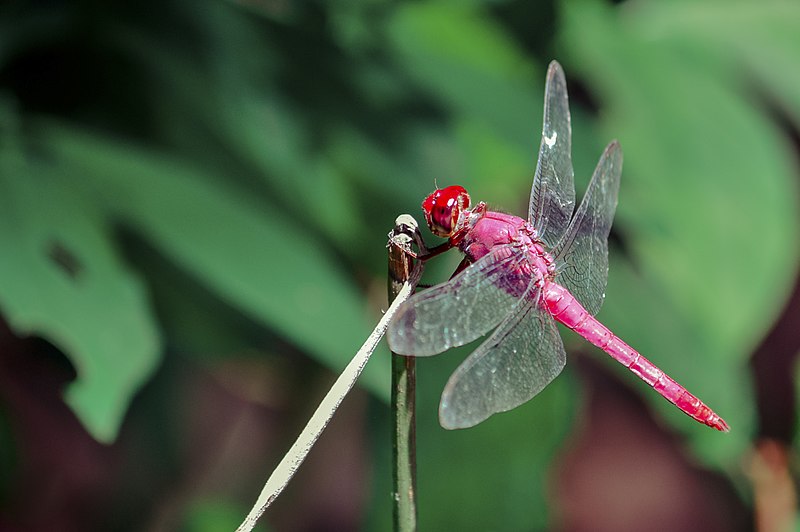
(424,253)
(429,253)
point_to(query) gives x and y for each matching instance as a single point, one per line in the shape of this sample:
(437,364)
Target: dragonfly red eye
(443,208)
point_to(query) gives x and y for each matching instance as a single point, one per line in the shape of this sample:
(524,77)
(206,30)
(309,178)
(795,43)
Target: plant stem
(297,453)
(404,445)
(403,401)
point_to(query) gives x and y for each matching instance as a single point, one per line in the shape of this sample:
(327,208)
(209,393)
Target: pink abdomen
(566,309)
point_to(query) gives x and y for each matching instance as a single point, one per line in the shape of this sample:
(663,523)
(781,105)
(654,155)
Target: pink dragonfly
(517,276)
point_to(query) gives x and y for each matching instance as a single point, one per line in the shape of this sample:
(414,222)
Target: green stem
(404,455)
(403,401)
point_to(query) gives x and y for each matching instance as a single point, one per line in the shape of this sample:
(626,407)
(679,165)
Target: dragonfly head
(443,210)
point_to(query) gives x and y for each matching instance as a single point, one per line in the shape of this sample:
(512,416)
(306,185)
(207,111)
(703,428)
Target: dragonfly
(519,277)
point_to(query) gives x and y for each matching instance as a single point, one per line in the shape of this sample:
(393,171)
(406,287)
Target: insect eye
(443,207)
(443,217)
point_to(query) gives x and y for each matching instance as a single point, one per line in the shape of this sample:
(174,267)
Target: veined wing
(464,308)
(582,254)
(515,363)
(553,191)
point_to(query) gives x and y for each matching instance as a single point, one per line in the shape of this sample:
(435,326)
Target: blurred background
(194,202)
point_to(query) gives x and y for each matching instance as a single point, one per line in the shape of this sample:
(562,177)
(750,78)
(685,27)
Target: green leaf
(464,59)
(227,121)
(756,41)
(258,261)
(61,279)
(708,197)
(644,316)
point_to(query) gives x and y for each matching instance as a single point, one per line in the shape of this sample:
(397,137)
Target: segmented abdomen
(566,309)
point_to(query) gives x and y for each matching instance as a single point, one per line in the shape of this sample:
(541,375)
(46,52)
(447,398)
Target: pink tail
(566,309)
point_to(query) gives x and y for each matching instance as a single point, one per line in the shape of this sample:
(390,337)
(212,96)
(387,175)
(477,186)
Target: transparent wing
(464,308)
(515,363)
(582,254)
(553,191)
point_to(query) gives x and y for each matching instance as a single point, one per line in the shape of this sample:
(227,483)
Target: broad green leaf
(61,279)
(255,259)
(492,90)
(707,201)
(753,40)
(219,115)
(640,313)
(305,180)
(462,57)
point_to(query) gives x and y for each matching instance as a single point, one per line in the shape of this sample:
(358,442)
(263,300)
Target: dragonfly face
(443,210)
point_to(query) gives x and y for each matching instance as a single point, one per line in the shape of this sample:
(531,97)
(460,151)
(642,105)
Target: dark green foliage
(259,153)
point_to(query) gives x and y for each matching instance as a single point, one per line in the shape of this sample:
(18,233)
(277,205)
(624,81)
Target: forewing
(553,191)
(582,254)
(515,363)
(464,308)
